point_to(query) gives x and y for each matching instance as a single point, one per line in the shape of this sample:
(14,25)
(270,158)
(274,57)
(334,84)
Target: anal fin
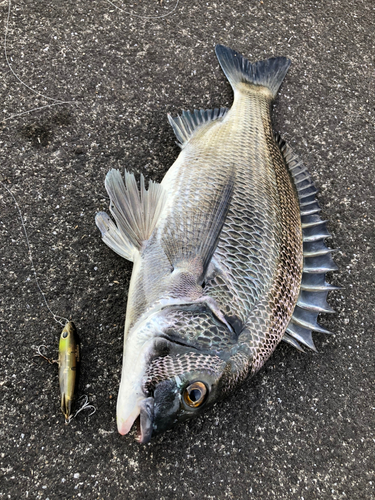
(184,126)
(113,238)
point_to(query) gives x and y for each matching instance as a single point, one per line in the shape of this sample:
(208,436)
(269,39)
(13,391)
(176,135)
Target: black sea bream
(228,252)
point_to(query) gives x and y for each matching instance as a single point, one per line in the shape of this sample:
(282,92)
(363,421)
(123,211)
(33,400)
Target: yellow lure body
(68,364)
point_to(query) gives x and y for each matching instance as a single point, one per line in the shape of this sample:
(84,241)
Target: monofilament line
(57,102)
(55,316)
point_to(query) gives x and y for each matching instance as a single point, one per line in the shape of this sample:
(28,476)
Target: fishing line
(144,17)
(55,316)
(57,101)
(38,108)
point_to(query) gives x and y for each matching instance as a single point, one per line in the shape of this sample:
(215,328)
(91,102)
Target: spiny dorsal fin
(317,260)
(185,125)
(136,212)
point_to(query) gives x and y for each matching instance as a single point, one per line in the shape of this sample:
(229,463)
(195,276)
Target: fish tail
(269,73)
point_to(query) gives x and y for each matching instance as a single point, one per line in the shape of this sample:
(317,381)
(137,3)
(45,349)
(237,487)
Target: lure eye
(195,394)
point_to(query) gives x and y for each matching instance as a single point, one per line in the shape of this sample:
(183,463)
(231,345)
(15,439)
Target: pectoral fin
(190,239)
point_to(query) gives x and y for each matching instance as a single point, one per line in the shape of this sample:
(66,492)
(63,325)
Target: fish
(68,362)
(228,251)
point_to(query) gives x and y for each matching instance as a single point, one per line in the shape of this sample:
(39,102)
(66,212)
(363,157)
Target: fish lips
(158,413)
(146,420)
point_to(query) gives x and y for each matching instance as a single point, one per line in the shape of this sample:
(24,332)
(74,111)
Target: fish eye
(195,394)
(64,334)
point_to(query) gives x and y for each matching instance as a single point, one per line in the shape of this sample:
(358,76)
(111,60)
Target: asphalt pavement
(85,87)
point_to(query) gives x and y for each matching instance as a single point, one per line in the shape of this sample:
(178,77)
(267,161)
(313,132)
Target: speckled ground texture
(303,428)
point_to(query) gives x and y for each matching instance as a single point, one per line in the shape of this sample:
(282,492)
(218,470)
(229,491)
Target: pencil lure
(68,364)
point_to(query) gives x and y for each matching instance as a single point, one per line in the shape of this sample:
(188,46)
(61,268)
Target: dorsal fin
(136,212)
(317,260)
(185,125)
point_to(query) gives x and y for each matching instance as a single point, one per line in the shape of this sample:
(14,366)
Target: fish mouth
(133,404)
(143,417)
(124,426)
(145,421)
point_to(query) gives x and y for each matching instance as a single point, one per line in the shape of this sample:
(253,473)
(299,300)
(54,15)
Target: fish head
(175,384)
(182,385)
(175,366)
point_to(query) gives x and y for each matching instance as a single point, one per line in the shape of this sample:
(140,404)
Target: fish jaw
(125,423)
(145,411)
(131,395)
(146,421)
(142,343)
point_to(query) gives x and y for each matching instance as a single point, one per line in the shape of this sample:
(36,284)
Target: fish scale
(228,251)
(258,218)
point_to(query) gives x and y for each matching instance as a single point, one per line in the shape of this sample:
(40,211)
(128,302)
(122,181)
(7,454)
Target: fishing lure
(68,367)
(68,363)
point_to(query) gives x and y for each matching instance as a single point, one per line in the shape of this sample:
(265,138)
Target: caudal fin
(269,73)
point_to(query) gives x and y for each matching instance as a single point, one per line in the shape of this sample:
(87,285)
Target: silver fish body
(221,252)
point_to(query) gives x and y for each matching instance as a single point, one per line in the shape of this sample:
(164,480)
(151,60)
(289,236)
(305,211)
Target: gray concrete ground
(303,428)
